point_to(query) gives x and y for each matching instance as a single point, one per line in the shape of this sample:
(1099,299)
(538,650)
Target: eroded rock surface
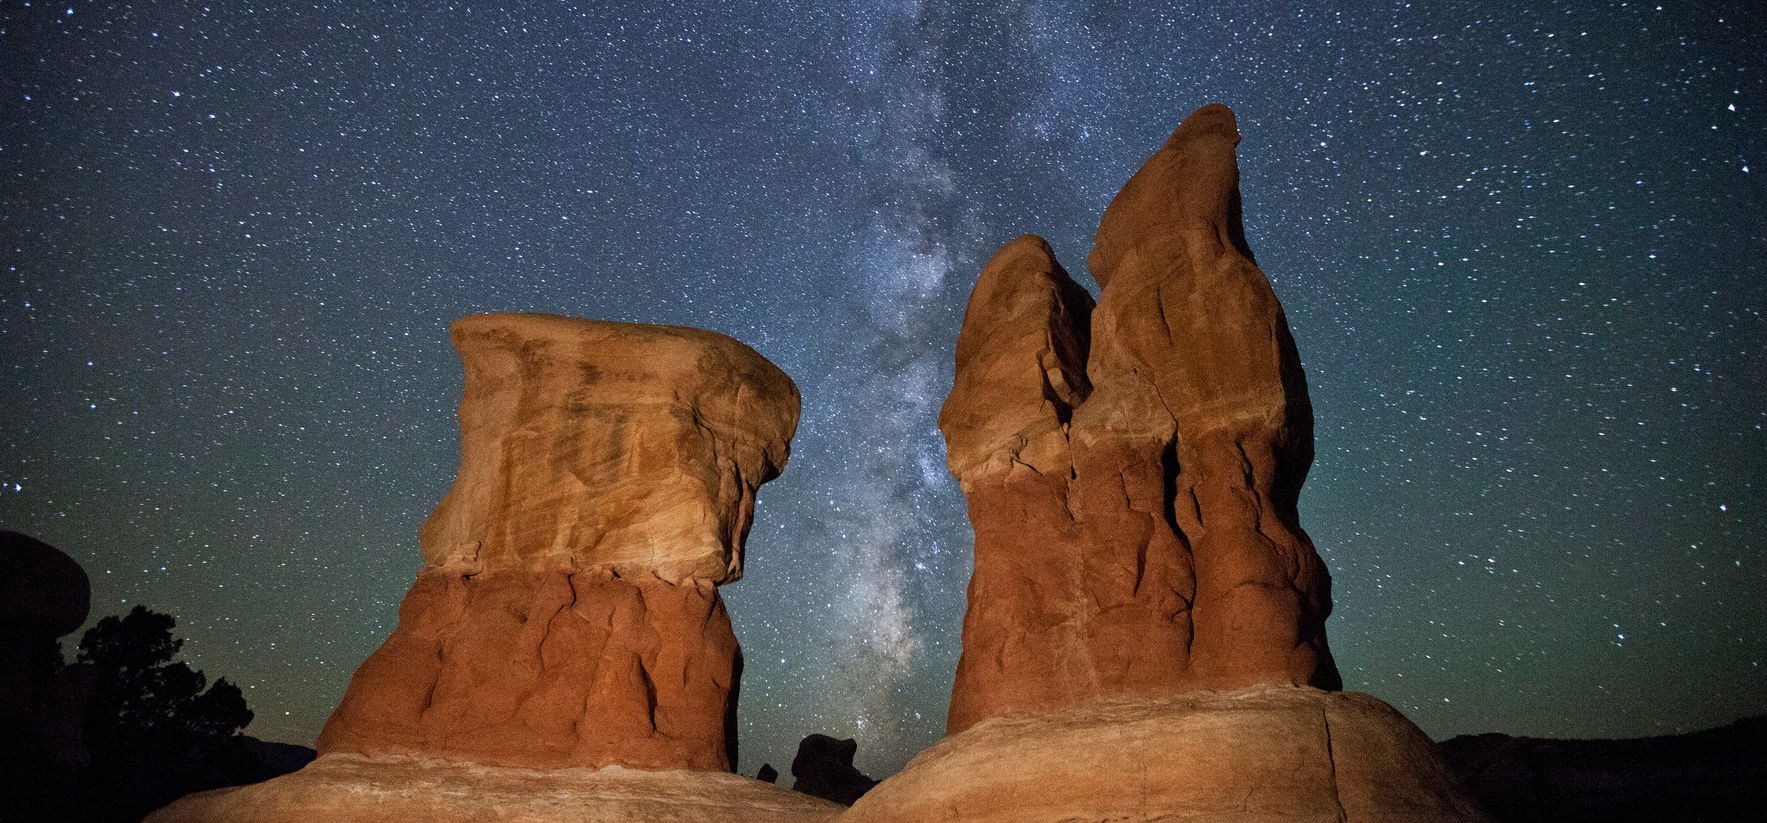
(590,444)
(346,788)
(1270,754)
(567,614)
(1132,468)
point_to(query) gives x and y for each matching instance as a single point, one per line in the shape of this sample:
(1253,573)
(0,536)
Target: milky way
(1522,251)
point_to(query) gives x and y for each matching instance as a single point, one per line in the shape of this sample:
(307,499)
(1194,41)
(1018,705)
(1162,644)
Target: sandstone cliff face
(1132,468)
(567,613)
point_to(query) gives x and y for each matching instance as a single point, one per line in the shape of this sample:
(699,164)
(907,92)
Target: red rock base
(549,670)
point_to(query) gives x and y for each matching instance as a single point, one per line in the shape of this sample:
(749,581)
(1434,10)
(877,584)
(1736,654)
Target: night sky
(1522,246)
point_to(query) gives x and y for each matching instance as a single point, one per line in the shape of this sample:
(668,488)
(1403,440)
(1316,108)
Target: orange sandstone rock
(567,614)
(1132,468)
(1266,754)
(586,443)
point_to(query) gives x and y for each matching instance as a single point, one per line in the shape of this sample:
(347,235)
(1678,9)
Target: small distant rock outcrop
(824,768)
(567,616)
(1145,640)
(1709,776)
(1132,467)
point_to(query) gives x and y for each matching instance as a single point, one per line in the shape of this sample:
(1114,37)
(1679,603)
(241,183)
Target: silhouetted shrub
(140,690)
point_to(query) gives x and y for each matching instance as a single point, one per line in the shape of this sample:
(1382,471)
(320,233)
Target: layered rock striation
(1132,466)
(567,614)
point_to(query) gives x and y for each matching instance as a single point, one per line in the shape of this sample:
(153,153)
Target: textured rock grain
(1132,468)
(621,446)
(567,614)
(343,788)
(1261,755)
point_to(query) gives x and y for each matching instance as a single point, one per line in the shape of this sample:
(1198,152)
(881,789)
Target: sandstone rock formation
(588,444)
(1145,637)
(824,768)
(43,595)
(564,653)
(1132,468)
(1270,753)
(567,613)
(393,789)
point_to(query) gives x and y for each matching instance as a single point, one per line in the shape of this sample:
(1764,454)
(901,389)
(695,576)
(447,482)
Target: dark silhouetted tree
(140,690)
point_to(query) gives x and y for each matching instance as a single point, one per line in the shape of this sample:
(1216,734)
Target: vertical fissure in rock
(1331,762)
(1181,355)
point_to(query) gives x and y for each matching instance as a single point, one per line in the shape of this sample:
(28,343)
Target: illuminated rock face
(353,788)
(567,614)
(1145,637)
(589,444)
(1132,467)
(1267,754)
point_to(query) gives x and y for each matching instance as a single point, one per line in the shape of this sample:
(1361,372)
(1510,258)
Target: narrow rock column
(567,613)
(1132,468)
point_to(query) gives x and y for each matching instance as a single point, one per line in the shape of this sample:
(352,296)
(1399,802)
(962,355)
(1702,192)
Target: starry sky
(1522,246)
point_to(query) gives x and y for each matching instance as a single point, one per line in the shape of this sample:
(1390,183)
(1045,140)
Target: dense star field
(1522,251)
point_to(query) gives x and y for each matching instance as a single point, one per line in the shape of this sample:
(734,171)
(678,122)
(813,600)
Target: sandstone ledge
(346,788)
(1258,755)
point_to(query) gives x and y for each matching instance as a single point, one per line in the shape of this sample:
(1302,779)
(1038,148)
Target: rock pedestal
(1259,755)
(1145,638)
(1132,467)
(567,615)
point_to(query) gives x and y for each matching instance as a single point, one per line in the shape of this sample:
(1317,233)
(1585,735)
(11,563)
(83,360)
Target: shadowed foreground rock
(43,595)
(567,615)
(1132,467)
